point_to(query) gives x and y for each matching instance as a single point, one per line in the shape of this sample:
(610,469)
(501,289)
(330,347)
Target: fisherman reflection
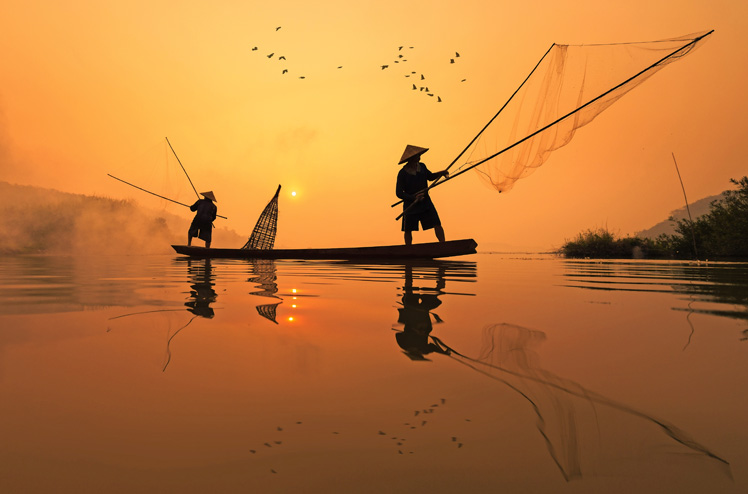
(202,293)
(415,316)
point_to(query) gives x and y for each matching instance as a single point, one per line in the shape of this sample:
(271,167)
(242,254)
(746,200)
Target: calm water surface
(491,373)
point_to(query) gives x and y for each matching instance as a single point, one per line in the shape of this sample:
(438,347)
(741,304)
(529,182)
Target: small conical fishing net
(569,87)
(263,234)
(268,311)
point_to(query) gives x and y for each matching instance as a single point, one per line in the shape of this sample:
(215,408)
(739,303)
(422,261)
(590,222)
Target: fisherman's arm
(434,175)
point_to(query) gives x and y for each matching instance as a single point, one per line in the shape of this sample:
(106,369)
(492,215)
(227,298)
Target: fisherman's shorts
(201,231)
(428,220)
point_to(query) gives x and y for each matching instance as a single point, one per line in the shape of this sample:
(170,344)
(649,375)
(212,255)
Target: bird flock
(400,64)
(421,87)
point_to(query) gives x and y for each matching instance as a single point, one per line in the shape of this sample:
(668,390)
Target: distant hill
(698,208)
(38,220)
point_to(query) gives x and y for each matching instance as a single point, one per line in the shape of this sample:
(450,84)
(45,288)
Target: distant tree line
(722,233)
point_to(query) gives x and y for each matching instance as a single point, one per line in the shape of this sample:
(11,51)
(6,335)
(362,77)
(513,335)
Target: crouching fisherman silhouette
(412,188)
(202,224)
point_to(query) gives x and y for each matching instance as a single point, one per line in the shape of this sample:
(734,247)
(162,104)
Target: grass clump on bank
(602,244)
(721,233)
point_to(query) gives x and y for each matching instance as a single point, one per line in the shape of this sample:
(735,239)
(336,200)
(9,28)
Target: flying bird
(302,77)
(438,99)
(414,87)
(400,48)
(422,78)
(451,60)
(457,55)
(284,71)
(254,49)
(463,80)
(340,66)
(271,55)
(384,66)
(277,28)
(281,57)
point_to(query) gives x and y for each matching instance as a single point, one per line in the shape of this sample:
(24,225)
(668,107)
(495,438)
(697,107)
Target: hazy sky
(93,87)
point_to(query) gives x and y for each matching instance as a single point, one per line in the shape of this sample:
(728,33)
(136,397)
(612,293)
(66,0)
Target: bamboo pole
(688,209)
(157,195)
(183,169)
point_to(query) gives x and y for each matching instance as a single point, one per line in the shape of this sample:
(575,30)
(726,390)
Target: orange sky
(90,88)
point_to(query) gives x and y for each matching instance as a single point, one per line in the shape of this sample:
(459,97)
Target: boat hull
(415,251)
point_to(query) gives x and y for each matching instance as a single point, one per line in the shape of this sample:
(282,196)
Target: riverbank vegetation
(35,220)
(722,233)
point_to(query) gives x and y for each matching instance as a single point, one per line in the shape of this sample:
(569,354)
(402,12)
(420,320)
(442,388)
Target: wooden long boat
(414,251)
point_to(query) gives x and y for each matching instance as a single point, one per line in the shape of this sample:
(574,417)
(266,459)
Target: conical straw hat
(209,195)
(410,152)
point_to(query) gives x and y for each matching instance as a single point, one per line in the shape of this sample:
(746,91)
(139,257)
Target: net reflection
(585,432)
(265,277)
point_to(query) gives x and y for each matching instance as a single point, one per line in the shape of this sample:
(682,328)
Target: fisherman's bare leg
(408,238)
(207,244)
(189,240)
(439,233)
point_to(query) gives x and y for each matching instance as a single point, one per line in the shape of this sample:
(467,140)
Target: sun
(293,193)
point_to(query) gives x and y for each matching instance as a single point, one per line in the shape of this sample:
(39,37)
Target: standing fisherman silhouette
(412,188)
(202,224)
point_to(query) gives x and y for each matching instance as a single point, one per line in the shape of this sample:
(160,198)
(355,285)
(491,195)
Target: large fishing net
(569,87)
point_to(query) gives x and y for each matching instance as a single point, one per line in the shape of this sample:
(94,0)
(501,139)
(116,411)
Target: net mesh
(586,432)
(263,234)
(570,86)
